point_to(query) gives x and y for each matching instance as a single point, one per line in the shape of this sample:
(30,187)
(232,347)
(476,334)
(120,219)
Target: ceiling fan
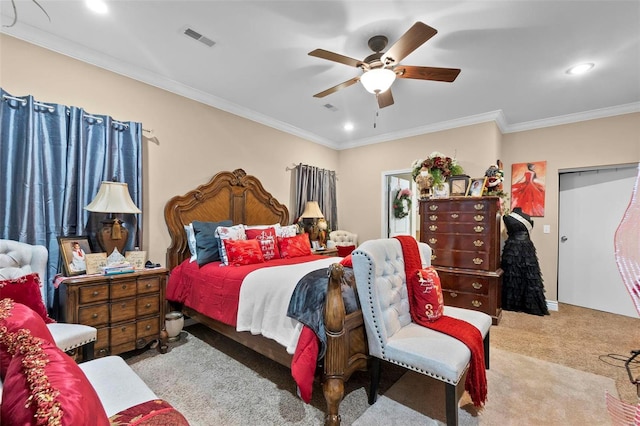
(380,69)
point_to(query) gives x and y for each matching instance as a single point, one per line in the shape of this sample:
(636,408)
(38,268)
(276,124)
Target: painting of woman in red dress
(528,188)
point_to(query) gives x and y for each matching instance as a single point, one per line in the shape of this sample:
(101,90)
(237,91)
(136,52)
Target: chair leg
(88,351)
(486,351)
(451,403)
(374,366)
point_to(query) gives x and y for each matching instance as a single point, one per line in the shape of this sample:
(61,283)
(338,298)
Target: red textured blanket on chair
(476,383)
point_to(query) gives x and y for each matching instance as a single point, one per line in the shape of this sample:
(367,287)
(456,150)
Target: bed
(242,199)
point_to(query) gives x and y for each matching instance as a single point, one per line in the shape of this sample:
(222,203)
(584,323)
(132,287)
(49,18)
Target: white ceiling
(513,56)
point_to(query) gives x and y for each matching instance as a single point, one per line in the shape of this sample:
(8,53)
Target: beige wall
(194,141)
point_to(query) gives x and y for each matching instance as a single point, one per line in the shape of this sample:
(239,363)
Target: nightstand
(127,309)
(326,252)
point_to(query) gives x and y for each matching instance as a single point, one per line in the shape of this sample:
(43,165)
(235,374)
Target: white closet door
(398,226)
(592,204)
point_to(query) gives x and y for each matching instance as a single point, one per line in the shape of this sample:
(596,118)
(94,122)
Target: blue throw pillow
(207,245)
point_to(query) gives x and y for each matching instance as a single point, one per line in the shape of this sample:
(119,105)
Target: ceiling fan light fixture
(378,80)
(580,68)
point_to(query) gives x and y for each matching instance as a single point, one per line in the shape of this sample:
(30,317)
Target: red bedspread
(214,290)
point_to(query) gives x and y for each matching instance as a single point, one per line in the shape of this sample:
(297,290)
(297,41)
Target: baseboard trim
(552,305)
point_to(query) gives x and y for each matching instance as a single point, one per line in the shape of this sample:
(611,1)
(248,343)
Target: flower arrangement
(402,203)
(438,165)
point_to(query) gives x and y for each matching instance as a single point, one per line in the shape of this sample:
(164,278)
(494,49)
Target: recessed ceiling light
(348,127)
(98,6)
(580,68)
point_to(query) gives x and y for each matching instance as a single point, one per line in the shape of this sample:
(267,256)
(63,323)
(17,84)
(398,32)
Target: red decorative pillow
(15,316)
(294,246)
(347,261)
(243,252)
(427,294)
(151,413)
(26,290)
(267,239)
(44,385)
(345,250)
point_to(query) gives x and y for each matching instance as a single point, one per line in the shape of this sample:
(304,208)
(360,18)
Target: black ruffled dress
(522,288)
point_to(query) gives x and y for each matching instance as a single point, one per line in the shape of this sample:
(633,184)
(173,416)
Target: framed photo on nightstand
(476,187)
(72,251)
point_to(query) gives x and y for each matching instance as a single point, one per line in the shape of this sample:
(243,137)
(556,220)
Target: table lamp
(312,211)
(113,198)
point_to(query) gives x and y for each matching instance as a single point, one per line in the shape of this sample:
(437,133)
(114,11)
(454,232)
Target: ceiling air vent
(330,107)
(197,36)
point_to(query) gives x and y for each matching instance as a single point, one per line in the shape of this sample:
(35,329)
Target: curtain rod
(51,108)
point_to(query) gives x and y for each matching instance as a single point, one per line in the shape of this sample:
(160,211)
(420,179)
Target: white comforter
(264,300)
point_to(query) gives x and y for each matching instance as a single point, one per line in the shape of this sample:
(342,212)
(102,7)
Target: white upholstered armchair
(18,259)
(378,266)
(343,238)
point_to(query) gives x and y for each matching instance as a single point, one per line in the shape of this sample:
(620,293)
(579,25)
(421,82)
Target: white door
(591,206)
(398,226)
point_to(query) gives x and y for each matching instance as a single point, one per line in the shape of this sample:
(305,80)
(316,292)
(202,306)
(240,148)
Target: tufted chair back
(18,259)
(343,238)
(378,266)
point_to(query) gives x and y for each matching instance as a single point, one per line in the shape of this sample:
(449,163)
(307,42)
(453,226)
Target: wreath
(402,204)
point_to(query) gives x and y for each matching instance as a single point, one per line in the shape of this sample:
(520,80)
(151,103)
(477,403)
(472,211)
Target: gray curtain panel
(315,184)
(52,161)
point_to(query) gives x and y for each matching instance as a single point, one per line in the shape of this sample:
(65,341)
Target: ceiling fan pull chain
(375,116)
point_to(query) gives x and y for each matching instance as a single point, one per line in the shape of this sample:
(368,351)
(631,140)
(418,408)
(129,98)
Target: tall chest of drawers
(127,309)
(464,234)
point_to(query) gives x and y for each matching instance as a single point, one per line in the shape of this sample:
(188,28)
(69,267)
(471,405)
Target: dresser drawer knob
(94,316)
(95,293)
(453,294)
(148,285)
(433,257)
(477,286)
(478,243)
(478,206)
(478,218)
(148,327)
(476,303)
(148,305)
(433,207)
(455,215)
(433,228)
(479,228)
(433,240)
(123,329)
(477,261)
(123,305)
(124,286)
(433,217)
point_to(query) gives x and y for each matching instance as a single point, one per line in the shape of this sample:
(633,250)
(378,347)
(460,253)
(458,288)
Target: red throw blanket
(476,383)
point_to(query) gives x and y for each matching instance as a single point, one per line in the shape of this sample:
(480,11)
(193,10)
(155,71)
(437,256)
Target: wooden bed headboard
(228,195)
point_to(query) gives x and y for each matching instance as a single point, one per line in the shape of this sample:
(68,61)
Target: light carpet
(229,385)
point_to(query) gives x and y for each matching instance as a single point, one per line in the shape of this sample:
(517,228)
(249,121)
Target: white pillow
(275,225)
(287,231)
(235,232)
(191,240)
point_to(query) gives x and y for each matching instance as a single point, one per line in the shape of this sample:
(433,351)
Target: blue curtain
(316,184)
(52,160)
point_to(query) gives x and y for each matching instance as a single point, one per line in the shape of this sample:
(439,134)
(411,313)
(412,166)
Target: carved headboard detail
(228,195)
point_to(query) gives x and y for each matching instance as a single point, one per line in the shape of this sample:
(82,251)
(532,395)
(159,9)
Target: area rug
(225,384)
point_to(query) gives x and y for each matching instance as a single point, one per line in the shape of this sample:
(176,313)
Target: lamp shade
(311,210)
(378,80)
(113,197)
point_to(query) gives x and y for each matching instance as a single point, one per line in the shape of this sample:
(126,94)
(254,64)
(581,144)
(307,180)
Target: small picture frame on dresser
(72,252)
(95,261)
(440,190)
(476,187)
(136,258)
(458,185)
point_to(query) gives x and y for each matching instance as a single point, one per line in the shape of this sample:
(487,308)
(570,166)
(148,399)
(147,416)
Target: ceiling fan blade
(337,87)
(410,41)
(427,73)
(385,99)
(336,57)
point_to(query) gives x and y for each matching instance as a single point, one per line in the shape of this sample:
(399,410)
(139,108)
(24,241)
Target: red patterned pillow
(44,385)
(26,290)
(13,317)
(345,250)
(267,239)
(151,413)
(427,294)
(347,261)
(294,246)
(243,252)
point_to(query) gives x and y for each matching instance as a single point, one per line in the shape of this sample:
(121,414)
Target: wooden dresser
(127,309)
(464,234)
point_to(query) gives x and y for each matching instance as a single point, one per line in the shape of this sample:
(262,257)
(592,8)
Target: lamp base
(112,235)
